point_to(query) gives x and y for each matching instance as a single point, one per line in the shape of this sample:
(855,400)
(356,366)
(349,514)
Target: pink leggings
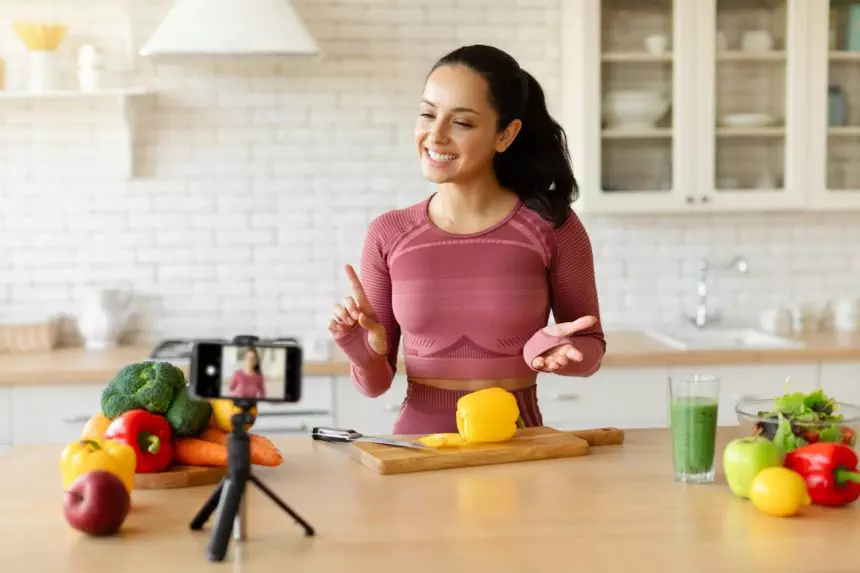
(428,410)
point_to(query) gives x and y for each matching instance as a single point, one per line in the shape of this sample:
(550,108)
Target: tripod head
(243,417)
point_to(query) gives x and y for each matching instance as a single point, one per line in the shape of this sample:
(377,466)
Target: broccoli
(148,385)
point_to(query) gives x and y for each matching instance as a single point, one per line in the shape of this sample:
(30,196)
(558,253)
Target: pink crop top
(473,306)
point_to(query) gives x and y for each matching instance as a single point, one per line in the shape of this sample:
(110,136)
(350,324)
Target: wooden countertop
(615,509)
(627,349)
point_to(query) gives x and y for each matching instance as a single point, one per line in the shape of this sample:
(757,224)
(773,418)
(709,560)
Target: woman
(248,382)
(468,276)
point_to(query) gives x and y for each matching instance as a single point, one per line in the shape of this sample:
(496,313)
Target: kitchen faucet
(703,316)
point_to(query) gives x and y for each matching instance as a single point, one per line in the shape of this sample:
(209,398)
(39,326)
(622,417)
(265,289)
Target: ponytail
(536,166)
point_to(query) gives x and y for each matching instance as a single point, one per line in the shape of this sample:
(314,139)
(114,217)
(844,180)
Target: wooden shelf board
(741,56)
(621,57)
(637,133)
(750,131)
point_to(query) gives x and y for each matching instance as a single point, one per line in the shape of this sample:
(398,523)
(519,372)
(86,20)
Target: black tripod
(230,491)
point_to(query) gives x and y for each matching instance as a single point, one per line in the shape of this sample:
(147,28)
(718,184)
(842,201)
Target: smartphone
(260,371)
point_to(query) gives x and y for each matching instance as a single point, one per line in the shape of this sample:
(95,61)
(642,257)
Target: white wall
(258,176)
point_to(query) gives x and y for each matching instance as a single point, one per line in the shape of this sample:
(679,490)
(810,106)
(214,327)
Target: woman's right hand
(356,312)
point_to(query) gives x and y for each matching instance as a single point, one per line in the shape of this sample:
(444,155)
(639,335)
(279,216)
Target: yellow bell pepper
(95,427)
(223,410)
(83,456)
(488,415)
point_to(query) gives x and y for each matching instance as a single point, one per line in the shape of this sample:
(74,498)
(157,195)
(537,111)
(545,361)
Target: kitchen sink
(720,338)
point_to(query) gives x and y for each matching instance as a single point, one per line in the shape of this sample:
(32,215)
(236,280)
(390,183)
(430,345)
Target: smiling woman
(468,276)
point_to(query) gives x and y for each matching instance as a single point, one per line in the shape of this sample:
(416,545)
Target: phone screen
(261,372)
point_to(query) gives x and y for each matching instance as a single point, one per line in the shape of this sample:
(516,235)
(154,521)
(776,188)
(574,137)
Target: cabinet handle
(77,419)
(293,413)
(285,430)
(690,199)
(705,199)
(567,396)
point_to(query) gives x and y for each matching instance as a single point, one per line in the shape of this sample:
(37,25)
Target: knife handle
(326,434)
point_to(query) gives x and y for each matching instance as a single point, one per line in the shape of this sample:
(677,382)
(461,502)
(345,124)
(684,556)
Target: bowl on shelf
(755,418)
(634,108)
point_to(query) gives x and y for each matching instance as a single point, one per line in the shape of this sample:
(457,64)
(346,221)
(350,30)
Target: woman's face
(455,132)
(250,360)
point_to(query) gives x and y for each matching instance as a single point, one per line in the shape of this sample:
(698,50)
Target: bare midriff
(472,385)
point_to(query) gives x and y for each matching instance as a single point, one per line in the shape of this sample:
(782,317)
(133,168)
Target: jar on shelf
(837,106)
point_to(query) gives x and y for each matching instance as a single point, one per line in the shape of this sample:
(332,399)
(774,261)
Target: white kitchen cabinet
(752,382)
(834,105)
(5,416)
(53,413)
(747,127)
(355,411)
(619,397)
(841,380)
(625,163)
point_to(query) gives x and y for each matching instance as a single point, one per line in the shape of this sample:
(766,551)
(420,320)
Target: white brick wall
(258,177)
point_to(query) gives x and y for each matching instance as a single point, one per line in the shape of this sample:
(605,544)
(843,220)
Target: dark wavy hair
(536,166)
(252,350)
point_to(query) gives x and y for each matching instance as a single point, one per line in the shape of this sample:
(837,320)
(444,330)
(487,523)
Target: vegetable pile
(798,419)
(147,407)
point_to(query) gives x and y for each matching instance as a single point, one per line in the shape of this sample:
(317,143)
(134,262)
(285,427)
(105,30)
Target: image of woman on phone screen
(247,382)
(467,277)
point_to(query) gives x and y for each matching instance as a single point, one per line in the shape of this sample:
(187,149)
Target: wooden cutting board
(180,476)
(539,443)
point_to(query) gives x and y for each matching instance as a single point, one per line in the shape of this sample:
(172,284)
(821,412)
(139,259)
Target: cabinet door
(834,110)
(753,382)
(5,416)
(355,411)
(841,380)
(751,89)
(53,414)
(620,397)
(628,92)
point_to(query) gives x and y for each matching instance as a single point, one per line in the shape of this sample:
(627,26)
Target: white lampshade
(227,27)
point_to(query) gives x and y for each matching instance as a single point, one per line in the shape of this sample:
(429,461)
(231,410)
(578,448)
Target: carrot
(263,451)
(197,452)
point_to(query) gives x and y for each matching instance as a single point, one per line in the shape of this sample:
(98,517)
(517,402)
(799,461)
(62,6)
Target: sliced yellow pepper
(83,456)
(488,415)
(443,440)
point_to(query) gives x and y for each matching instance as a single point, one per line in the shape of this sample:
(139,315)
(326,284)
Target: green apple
(743,458)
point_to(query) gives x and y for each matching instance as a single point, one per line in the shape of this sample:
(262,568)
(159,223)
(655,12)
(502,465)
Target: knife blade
(326,434)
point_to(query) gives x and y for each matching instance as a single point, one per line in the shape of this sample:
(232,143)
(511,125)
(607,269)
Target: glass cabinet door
(752,98)
(632,107)
(835,102)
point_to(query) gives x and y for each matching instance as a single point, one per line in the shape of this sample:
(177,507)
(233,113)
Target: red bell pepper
(830,471)
(148,434)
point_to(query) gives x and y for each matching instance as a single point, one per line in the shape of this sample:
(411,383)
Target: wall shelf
(126,97)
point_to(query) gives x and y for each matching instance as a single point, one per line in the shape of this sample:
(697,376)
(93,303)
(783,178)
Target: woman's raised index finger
(357,289)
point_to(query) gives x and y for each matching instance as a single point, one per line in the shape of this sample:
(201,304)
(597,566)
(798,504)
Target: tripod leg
(232,495)
(206,510)
(309,531)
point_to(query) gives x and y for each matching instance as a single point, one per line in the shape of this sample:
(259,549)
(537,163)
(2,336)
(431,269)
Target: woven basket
(28,336)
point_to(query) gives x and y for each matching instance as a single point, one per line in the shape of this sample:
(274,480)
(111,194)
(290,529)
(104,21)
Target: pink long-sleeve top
(473,306)
(246,385)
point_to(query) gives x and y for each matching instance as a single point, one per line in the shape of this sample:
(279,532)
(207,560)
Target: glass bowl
(748,416)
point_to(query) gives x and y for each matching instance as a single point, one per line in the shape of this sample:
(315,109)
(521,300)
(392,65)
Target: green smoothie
(693,422)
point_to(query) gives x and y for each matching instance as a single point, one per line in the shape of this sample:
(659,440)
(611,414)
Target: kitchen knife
(327,434)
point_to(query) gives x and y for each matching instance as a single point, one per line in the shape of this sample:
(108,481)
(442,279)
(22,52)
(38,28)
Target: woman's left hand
(558,357)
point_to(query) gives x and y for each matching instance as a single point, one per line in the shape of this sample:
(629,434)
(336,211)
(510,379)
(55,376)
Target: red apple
(96,503)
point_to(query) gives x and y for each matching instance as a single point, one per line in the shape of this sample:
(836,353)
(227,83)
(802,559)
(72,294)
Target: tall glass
(693,422)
